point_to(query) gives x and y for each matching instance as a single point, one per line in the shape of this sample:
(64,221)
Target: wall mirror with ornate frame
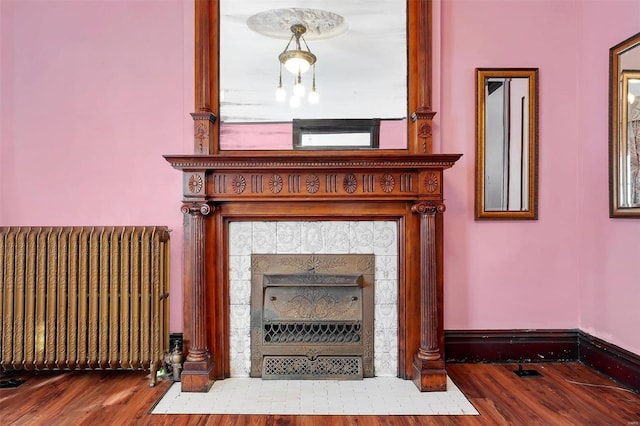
(624,129)
(506,143)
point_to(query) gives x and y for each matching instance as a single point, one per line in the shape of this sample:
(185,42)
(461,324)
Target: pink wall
(92,93)
(511,274)
(571,268)
(609,277)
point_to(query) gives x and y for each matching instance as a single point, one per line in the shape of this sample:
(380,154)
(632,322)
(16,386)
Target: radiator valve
(176,362)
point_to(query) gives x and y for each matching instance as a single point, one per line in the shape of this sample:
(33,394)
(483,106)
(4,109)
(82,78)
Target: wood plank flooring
(567,394)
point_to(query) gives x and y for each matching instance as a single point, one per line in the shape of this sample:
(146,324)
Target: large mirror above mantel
(409,118)
(402,187)
(353,56)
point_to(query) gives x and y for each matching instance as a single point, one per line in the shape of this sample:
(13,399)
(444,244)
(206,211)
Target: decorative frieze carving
(372,184)
(276,184)
(406,183)
(257,184)
(194,183)
(313,184)
(431,182)
(350,183)
(387,182)
(238,184)
(294,183)
(219,184)
(368,183)
(331,183)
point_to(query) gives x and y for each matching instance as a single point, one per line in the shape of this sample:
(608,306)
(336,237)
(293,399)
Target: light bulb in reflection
(281,94)
(314,98)
(631,98)
(298,90)
(297,65)
(294,102)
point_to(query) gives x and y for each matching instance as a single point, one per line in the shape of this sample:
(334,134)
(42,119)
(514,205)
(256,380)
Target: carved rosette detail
(387,182)
(431,182)
(195,183)
(313,184)
(350,183)
(238,184)
(193,208)
(428,207)
(275,184)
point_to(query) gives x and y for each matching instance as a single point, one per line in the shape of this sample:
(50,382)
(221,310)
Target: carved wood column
(197,372)
(420,76)
(205,135)
(429,372)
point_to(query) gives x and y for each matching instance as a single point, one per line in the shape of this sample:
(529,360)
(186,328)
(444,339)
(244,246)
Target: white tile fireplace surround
(319,237)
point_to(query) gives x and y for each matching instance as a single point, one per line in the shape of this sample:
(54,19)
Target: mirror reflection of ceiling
(361,70)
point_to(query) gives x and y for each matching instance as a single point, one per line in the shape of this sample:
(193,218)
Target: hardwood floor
(567,394)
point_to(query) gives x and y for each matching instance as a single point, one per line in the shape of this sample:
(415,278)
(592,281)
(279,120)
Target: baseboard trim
(612,361)
(510,345)
(527,346)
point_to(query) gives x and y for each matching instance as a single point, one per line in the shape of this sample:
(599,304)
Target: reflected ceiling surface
(360,73)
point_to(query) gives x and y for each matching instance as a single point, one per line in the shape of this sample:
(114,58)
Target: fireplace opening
(312,316)
(249,241)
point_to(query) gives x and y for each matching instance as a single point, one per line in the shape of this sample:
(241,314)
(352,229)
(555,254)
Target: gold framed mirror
(624,129)
(506,143)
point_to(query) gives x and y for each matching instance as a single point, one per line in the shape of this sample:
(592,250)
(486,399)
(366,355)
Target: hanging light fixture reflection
(297,61)
(281,94)
(314,98)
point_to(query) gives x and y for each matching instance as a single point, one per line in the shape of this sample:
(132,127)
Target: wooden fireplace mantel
(350,185)
(405,186)
(310,176)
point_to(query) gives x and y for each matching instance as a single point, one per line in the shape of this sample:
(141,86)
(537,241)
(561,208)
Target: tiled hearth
(319,237)
(382,396)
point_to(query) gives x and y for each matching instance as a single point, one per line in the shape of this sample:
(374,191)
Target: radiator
(84,298)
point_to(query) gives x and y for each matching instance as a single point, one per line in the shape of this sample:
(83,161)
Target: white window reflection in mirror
(506,144)
(359,70)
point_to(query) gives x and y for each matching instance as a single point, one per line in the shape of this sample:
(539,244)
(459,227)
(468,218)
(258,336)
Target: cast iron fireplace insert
(312,325)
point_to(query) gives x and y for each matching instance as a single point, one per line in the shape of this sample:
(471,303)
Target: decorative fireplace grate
(325,333)
(312,325)
(303,367)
